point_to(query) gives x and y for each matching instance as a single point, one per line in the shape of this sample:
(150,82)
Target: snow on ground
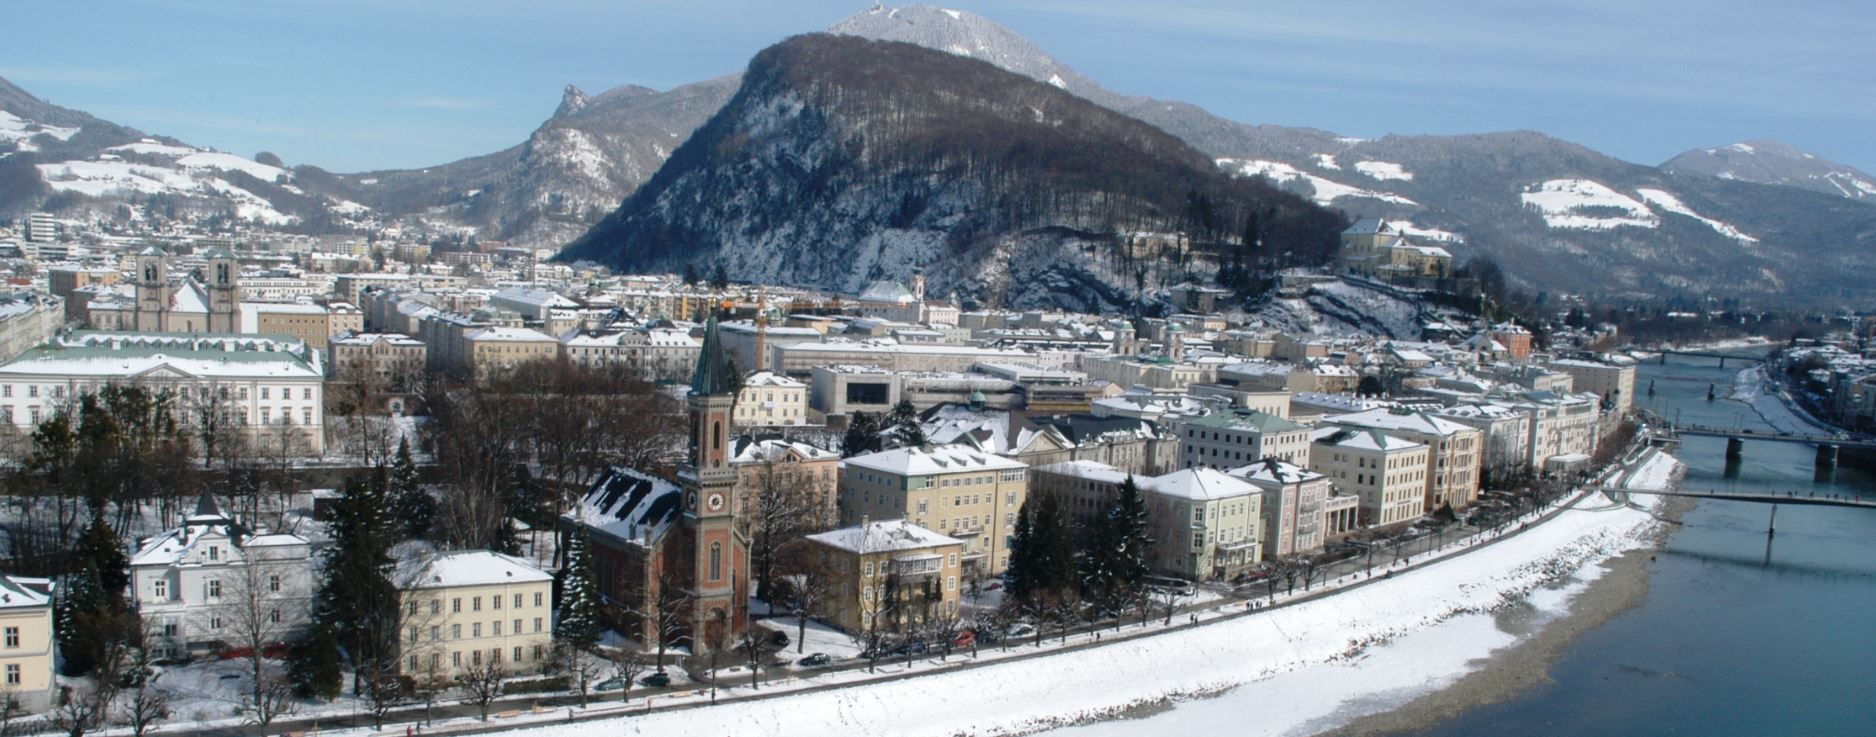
(1384,170)
(1327,161)
(231,162)
(1667,201)
(821,639)
(1432,234)
(15,128)
(153,148)
(1305,665)
(1755,390)
(100,178)
(1564,201)
(1325,190)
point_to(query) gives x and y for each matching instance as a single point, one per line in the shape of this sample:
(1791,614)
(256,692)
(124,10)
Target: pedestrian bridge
(1773,436)
(1790,497)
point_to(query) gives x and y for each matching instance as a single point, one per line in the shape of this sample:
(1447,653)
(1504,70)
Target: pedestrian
(409,730)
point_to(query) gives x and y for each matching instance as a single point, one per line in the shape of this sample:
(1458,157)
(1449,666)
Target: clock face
(690,500)
(716,502)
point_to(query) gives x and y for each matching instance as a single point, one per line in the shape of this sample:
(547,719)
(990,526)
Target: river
(1737,634)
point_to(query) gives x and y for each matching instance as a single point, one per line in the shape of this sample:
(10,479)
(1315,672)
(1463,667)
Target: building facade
(956,490)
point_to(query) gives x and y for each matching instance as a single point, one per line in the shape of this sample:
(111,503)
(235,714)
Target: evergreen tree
(416,509)
(357,603)
(1021,574)
(903,426)
(720,278)
(862,436)
(1042,554)
(577,621)
(1127,523)
(100,552)
(81,605)
(314,665)
(690,275)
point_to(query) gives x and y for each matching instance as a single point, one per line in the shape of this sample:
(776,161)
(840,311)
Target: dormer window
(214,553)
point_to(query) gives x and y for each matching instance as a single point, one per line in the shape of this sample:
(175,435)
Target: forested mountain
(842,160)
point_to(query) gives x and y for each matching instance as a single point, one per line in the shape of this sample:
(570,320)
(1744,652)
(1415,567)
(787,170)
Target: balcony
(916,565)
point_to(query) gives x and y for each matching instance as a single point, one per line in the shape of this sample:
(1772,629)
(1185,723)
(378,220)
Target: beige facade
(771,400)
(958,491)
(1455,451)
(28,651)
(1231,439)
(1389,474)
(386,357)
(1614,382)
(1204,524)
(889,576)
(473,608)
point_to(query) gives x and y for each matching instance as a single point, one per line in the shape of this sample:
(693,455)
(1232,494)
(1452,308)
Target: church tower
(712,498)
(152,290)
(224,291)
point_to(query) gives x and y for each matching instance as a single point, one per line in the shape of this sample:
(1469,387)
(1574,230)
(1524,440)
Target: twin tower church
(189,305)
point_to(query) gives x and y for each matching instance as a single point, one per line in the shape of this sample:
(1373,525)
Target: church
(187,305)
(671,562)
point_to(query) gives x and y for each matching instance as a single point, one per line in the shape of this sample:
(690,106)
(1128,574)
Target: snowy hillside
(1772,162)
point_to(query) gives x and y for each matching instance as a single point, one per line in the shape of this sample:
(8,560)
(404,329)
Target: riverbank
(1617,587)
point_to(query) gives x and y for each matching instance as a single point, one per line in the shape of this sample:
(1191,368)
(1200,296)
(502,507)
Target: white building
(769,399)
(214,582)
(1294,498)
(1388,473)
(1235,438)
(271,386)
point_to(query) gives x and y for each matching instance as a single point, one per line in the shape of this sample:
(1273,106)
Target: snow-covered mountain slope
(1772,162)
(52,157)
(842,160)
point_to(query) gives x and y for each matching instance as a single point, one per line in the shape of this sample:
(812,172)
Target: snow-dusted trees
(1042,554)
(577,620)
(1114,567)
(258,609)
(902,427)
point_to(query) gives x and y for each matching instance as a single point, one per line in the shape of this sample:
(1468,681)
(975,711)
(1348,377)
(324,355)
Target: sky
(354,85)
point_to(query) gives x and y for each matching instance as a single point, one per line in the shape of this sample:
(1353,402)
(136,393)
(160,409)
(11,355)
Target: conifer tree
(862,436)
(904,427)
(577,620)
(416,509)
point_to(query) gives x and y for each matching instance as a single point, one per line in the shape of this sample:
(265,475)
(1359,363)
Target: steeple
(714,375)
(761,359)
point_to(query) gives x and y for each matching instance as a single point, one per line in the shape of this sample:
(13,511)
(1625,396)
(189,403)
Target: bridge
(1664,353)
(1790,497)
(1774,436)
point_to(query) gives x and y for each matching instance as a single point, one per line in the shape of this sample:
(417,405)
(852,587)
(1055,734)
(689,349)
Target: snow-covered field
(1564,203)
(1384,170)
(1323,190)
(1300,668)
(1667,201)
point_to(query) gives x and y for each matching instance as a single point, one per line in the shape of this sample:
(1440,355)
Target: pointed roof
(713,375)
(206,508)
(153,251)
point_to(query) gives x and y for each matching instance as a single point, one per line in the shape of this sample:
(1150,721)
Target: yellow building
(954,489)
(1389,474)
(27,652)
(888,576)
(472,608)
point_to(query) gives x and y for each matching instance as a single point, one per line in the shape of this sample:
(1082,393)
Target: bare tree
(753,644)
(82,712)
(260,607)
(942,629)
(812,583)
(786,505)
(668,612)
(626,665)
(582,668)
(1169,598)
(483,682)
(146,707)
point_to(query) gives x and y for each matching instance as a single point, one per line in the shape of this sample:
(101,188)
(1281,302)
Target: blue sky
(365,84)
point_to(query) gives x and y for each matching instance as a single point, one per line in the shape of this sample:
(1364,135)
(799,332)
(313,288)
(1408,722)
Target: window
(264,392)
(517,628)
(537,624)
(475,604)
(475,629)
(161,589)
(214,588)
(273,584)
(495,602)
(214,622)
(32,390)
(274,617)
(517,653)
(455,659)
(13,637)
(495,628)
(436,633)
(436,606)
(517,601)
(214,552)
(716,561)
(455,632)
(306,393)
(13,674)
(475,657)
(455,605)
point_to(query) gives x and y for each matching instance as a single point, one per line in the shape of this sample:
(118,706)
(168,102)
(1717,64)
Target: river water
(1737,635)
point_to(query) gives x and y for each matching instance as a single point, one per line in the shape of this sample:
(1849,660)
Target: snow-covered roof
(884,536)
(1275,472)
(770,378)
(1394,418)
(19,592)
(1198,484)
(936,460)
(629,505)
(746,449)
(454,568)
(1343,437)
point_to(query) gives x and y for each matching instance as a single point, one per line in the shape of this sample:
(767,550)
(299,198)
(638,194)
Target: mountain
(576,167)
(842,160)
(70,162)
(1583,221)
(1772,162)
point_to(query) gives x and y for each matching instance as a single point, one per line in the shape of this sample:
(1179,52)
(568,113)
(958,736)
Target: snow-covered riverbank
(1300,668)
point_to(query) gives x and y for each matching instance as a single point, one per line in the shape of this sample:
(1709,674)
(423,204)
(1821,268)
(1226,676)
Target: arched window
(716,561)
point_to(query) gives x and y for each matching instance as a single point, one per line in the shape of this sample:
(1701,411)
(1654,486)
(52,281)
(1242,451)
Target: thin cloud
(90,76)
(445,103)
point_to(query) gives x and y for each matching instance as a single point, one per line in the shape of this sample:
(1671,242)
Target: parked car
(964,639)
(656,680)
(779,638)
(814,660)
(1020,629)
(610,684)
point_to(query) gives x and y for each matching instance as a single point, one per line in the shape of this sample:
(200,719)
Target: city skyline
(354,86)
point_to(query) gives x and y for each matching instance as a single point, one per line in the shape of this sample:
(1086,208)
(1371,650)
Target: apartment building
(889,575)
(956,490)
(29,650)
(1234,438)
(1293,506)
(466,609)
(1387,473)
(1455,451)
(770,399)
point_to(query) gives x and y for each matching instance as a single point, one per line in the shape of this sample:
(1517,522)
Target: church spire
(714,374)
